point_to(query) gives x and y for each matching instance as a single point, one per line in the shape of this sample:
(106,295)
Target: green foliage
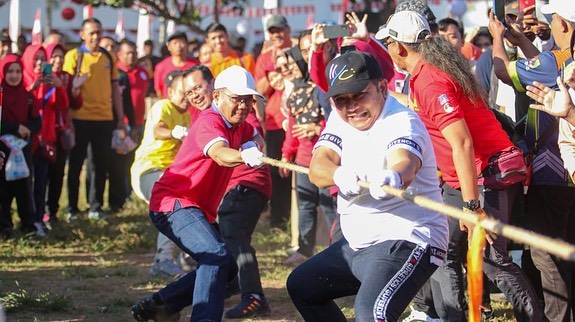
(26,301)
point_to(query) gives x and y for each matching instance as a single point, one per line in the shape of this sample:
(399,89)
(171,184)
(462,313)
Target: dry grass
(94,271)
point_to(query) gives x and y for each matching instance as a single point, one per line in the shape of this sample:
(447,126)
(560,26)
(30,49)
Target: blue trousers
(204,287)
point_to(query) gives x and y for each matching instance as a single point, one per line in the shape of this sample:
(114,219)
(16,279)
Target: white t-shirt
(366,221)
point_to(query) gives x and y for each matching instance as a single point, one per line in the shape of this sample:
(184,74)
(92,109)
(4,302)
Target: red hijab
(28,62)
(50,51)
(14,98)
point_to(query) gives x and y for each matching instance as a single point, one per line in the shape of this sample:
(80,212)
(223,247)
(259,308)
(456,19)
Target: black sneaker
(249,307)
(148,309)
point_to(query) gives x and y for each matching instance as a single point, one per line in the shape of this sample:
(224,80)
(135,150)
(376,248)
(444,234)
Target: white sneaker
(166,268)
(419,316)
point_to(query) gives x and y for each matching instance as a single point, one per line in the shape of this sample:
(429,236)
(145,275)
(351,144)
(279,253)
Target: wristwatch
(472,205)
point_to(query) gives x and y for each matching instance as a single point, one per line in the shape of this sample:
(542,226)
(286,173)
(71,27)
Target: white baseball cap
(405,26)
(237,80)
(564,8)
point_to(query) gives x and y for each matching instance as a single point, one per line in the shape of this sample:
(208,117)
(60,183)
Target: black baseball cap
(277,21)
(170,77)
(178,35)
(351,72)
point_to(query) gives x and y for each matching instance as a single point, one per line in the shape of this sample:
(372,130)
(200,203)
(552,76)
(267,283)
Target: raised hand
(555,103)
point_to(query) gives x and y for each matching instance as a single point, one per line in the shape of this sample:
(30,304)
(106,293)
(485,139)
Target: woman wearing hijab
(51,93)
(308,109)
(64,127)
(20,118)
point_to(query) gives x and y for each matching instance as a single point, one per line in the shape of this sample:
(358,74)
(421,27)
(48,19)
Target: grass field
(94,271)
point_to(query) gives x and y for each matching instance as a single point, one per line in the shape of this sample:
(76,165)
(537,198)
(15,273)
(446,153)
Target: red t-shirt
(254,178)
(440,101)
(162,70)
(194,179)
(274,116)
(139,82)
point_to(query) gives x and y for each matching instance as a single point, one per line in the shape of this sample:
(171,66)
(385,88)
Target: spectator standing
(5,45)
(178,60)
(63,128)
(280,202)
(180,209)
(52,93)
(551,194)
(149,62)
(20,118)
(93,122)
(223,56)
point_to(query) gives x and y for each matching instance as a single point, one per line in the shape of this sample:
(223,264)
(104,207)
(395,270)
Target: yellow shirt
(219,63)
(97,90)
(154,153)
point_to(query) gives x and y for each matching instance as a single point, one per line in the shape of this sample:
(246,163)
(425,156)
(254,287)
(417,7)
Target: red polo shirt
(440,101)
(139,82)
(194,179)
(162,70)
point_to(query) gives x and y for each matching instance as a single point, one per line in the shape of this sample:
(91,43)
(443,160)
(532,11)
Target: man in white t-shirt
(390,247)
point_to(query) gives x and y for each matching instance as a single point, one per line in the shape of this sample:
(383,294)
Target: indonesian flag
(170,28)
(144,31)
(14,25)
(88,11)
(120,33)
(37,29)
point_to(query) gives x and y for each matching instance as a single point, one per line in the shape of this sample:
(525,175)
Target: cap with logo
(564,8)
(277,21)
(237,80)
(417,6)
(406,26)
(351,72)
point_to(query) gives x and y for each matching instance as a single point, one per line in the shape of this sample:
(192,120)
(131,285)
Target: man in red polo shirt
(178,60)
(185,200)
(139,82)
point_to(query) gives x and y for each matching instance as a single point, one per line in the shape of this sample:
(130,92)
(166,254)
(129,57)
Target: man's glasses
(195,90)
(237,100)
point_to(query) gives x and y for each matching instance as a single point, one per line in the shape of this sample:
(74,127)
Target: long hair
(439,53)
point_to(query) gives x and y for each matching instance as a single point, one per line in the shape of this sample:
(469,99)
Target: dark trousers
(384,276)
(22,191)
(56,181)
(238,215)
(447,282)
(40,182)
(119,178)
(98,136)
(280,201)
(309,198)
(551,212)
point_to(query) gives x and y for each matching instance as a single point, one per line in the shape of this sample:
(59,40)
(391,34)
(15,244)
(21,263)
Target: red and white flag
(14,25)
(88,11)
(37,29)
(309,23)
(120,32)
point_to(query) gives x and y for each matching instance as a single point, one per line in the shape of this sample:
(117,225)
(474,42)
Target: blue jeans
(204,287)
(384,276)
(309,198)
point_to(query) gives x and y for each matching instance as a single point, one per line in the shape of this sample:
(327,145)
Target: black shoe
(148,309)
(249,307)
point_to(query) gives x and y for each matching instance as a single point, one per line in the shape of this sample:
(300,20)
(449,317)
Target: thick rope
(553,246)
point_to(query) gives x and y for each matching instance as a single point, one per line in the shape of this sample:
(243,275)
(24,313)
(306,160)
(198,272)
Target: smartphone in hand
(337,31)
(499,10)
(46,69)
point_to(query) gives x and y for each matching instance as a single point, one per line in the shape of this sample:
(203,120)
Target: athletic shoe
(292,250)
(148,309)
(418,316)
(98,215)
(166,268)
(39,230)
(71,216)
(249,307)
(295,259)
